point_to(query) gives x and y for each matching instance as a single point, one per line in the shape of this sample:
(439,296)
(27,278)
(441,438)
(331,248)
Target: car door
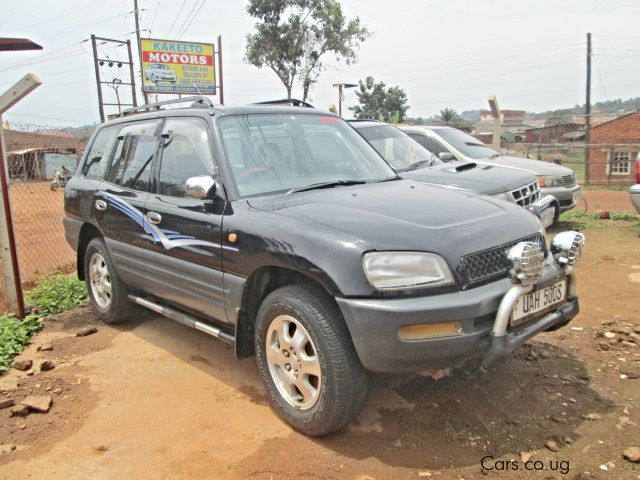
(120,202)
(185,261)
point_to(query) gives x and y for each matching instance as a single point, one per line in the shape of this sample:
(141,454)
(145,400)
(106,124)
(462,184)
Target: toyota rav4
(281,231)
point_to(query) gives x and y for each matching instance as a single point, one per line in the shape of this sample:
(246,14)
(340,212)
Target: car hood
(537,167)
(407,215)
(486,179)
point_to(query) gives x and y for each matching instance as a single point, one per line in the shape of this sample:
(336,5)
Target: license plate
(547,216)
(538,302)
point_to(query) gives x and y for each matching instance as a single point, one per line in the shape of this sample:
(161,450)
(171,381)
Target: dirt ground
(611,200)
(154,399)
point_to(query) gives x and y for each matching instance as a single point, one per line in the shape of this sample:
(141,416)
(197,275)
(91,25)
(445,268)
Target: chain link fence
(39,160)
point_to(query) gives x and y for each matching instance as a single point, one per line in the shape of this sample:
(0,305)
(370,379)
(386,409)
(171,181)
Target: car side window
(429,143)
(186,152)
(134,154)
(97,159)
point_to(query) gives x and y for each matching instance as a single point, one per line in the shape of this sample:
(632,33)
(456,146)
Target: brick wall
(625,129)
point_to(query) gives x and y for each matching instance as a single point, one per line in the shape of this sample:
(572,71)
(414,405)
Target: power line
(176,18)
(57,16)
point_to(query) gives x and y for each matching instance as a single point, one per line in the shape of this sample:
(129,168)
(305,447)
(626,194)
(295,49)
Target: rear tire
(307,361)
(107,293)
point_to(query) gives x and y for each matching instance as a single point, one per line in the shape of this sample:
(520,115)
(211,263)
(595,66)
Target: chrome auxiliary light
(566,247)
(528,260)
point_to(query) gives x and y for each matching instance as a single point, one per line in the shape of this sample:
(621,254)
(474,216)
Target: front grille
(569,180)
(526,195)
(492,263)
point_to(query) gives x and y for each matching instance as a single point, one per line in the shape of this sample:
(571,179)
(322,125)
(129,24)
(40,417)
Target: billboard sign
(170,66)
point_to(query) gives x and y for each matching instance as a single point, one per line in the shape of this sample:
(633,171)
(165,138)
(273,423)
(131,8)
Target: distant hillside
(607,107)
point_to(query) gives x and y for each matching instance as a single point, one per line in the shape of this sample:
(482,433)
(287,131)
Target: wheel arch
(87,233)
(260,283)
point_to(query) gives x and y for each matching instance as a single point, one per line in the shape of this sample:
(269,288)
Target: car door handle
(101,205)
(154,217)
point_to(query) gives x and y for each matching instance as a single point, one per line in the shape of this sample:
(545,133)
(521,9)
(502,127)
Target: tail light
(638,170)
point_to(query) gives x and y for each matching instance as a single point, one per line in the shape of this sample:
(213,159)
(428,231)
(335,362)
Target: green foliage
(448,116)
(14,335)
(57,293)
(378,102)
(51,295)
(292,36)
(627,217)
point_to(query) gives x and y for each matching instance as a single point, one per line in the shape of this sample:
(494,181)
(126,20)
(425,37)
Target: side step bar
(184,319)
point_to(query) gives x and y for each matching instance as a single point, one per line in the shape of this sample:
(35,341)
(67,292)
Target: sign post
(177,67)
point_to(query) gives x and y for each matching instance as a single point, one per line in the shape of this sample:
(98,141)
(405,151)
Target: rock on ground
(38,403)
(22,365)
(632,454)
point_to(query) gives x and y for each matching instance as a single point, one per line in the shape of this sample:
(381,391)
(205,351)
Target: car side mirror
(200,187)
(446,156)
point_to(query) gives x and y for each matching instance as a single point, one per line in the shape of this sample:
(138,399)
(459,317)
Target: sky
(443,53)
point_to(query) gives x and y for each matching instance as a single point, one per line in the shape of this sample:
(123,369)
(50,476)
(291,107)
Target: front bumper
(567,196)
(546,209)
(374,324)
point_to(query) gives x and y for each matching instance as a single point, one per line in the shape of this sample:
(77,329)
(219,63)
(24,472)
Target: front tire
(307,361)
(107,293)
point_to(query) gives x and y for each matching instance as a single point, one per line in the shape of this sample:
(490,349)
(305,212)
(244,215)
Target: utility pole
(587,113)
(497,122)
(136,12)
(341,87)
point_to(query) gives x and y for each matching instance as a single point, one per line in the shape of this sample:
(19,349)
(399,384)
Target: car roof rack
(284,101)
(197,101)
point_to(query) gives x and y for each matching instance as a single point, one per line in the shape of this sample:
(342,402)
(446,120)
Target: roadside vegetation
(51,295)
(582,220)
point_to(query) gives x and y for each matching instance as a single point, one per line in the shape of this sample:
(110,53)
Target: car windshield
(271,153)
(466,144)
(400,150)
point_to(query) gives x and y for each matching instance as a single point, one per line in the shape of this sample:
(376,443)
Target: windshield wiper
(415,166)
(335,183)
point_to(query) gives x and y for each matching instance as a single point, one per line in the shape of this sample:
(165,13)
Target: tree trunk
(289,92)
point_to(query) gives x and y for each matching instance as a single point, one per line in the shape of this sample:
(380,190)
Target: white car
(635,190)
(159,72)
(555,180)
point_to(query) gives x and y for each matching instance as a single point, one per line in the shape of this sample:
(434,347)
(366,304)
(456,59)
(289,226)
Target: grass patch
(14,335)
(583,220)
(55,294)
(51,295)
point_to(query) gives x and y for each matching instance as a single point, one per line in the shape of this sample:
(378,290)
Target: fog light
(424,331)
(566,247)
(528,260)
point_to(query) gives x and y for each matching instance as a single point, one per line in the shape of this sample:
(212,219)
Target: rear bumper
(374,324)
(567,197)
(72,228)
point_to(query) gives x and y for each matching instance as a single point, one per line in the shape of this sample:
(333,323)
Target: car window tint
(430,144)
(133,158)
(185,153)
(97,158)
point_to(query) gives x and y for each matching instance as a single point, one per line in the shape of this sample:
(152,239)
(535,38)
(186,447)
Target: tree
(292,37)
(380,103)
(448,116)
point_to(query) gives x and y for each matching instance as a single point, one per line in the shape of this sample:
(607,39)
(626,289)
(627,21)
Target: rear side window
(185,153)
(134,154)
(97,159)
(430,144)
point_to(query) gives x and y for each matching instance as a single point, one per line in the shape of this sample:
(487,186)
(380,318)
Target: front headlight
(550,181)
(400,270)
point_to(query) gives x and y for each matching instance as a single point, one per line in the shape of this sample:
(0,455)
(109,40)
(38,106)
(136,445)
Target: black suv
(281,231)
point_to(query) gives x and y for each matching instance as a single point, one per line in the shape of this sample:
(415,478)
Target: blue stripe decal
(169,238)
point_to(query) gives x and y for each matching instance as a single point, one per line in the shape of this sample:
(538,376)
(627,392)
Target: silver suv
(554,180)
